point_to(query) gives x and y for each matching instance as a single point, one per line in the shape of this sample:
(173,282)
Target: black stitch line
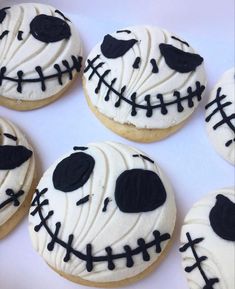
(227,120)
(197,93)
(77,62)
(144,157)
(13,198)
(61,14)
(4,33)
(191,244)
(184,42)
(88,257)
(19,35)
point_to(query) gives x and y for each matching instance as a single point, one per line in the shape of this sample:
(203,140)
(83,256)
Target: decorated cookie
(143,82)
(17,176)
(103,215)
(40,55)
(220,116)
(208,242)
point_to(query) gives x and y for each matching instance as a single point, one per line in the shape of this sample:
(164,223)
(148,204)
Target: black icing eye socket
(12,157)
(114,48)
(178,59)
(73,172)
(49,29)
(139,190)
(3,14)
(222,218)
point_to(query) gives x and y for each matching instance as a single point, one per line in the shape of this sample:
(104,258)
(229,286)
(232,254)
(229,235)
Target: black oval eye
(222,218)
(178,59)
(113,48)
(12,157)
(73,172)
(139,191)
(3,14)
(49,28)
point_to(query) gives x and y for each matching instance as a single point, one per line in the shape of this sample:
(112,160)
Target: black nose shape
(12,157)
(49,29)
(139,190)
(114,48)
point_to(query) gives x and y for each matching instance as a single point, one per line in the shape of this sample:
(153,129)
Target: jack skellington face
(144,76)
(102,213)
(16,172)
(40,51)
(208,242)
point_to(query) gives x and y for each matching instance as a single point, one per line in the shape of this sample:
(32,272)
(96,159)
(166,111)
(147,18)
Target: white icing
(220,253)
(142,80)
(16,179)
(222,134)
(89,224)
(29,53)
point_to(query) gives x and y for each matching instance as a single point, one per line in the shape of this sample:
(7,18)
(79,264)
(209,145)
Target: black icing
(180,60)
(222,218)
(12,157)
(108,255)
(73,172)
(3,13)
(114,48)
(139,190)
(49,29)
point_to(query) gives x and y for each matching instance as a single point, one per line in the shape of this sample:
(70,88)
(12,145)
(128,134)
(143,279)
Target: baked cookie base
(10,224)
(22,105)
(119,283)
(129,131)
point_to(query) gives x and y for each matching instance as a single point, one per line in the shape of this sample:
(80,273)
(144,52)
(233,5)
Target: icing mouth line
(13,198)
(197,93)
(191,244)
(128,252)
(77,63)
(227,120)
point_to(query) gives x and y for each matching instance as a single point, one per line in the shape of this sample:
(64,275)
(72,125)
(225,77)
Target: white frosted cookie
(17,176)
(102,215)
(143,82)
(40,55)
(220,116)
(208,242)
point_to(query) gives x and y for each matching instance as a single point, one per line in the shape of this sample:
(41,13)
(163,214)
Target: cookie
(208,242)
(40,55)
(220,116)
(17,176)
(103,215)
(143,82)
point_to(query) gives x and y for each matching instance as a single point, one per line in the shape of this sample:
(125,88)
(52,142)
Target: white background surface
(187,157)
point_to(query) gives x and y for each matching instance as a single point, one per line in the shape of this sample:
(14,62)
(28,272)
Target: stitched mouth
(219,107)
(179,100)
(88,257)
(12,198)
(60,69)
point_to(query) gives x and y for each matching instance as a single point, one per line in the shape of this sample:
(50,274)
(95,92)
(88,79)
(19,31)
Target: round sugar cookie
(103,215)
(220,116)
(40,55)
(208,242)
(17,176)
(143,82)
